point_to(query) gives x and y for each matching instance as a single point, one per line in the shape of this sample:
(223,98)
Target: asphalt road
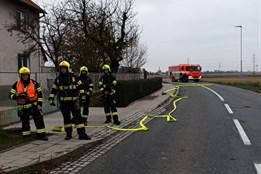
(204,140)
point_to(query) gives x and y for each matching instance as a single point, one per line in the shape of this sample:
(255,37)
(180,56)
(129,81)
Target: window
(195,68)
(23,60)
(21,19)
(173,69)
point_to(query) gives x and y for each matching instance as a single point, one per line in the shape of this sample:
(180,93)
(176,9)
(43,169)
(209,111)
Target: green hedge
(128,91)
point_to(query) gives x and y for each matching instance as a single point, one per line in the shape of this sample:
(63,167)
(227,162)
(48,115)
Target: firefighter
(107,85)
(67,87)
(184,77)
(181,77)
(28,95)
(88,88)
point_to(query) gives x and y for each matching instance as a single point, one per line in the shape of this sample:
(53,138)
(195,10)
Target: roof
(183,65)
(33,5)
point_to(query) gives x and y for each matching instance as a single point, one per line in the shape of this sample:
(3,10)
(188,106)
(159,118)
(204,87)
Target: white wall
(9,45)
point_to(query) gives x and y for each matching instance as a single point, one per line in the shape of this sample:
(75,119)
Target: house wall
(9,45)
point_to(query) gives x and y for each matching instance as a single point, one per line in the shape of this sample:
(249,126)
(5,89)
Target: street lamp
(240,26)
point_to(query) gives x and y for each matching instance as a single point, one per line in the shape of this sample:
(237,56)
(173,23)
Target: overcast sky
(199,31)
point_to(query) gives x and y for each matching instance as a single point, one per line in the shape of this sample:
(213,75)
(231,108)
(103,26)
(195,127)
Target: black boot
(116,120)
(82,134)
(68,131)
(68,136)
(108,119)
(42,136)
(84,137)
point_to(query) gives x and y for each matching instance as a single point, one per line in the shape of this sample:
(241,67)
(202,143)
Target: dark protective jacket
(87,83)
(107,83)
(67,88)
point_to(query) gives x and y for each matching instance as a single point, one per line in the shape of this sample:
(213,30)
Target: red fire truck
(185,72)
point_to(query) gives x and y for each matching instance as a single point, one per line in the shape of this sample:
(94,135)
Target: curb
(74,154)
(59,160)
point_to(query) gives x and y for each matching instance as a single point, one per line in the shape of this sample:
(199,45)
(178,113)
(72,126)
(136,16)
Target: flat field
(249,81)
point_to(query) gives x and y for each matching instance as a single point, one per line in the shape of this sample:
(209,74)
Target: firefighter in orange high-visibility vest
(67,87)
(28,95)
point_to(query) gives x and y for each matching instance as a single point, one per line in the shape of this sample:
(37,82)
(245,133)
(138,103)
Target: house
(14,54)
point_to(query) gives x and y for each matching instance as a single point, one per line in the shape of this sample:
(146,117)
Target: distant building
(14,54)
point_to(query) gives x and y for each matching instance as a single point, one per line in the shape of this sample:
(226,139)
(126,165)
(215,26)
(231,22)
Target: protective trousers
(72,107)
(85,111)
(24,115)
(110,108)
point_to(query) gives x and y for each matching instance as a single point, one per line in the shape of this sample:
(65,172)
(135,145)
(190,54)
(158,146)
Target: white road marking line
(240,129)
(242,133)
(228,108)
(258,168)
(219,96)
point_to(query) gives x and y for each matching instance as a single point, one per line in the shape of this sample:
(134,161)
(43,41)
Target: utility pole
(254,63)
(240,26)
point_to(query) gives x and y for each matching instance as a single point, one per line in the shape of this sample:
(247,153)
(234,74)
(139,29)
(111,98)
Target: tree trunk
(114,66)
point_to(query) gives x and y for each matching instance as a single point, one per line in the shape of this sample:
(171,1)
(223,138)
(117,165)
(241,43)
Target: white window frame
(21,20)
(23,60)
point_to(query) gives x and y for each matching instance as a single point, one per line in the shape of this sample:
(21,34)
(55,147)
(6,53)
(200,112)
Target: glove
(83,99)
(52,103)
(20,112)
(106,93)
(112,92)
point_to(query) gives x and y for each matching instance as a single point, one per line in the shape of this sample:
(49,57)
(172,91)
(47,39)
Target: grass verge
(12,137)
(252,86)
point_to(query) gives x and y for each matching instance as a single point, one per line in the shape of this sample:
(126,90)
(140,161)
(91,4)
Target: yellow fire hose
(142,127)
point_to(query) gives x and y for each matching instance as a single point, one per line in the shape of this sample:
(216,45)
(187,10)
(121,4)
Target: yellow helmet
(24,70)
(83,68)
(104,67)
(65,64)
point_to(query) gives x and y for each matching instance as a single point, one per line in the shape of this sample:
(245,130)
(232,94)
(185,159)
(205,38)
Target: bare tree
(135,57)
(50,39)
(126,33)
(56,28)
(27,32)
(85,32)
(109,25)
